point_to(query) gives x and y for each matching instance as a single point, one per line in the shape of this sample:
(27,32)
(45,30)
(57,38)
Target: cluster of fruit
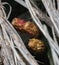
(34,44)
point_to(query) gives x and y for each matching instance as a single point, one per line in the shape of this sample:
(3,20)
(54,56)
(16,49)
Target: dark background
(17,9)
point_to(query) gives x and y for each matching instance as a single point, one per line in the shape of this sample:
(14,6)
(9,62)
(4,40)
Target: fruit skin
(18,23)
(36,45)
(26,26)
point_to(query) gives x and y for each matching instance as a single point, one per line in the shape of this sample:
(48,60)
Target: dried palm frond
(53,13)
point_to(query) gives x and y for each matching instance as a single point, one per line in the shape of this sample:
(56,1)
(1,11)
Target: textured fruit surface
(27,26)
(36,45)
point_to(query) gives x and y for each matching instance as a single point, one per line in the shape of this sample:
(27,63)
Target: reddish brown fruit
(18,23)
(27,26)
